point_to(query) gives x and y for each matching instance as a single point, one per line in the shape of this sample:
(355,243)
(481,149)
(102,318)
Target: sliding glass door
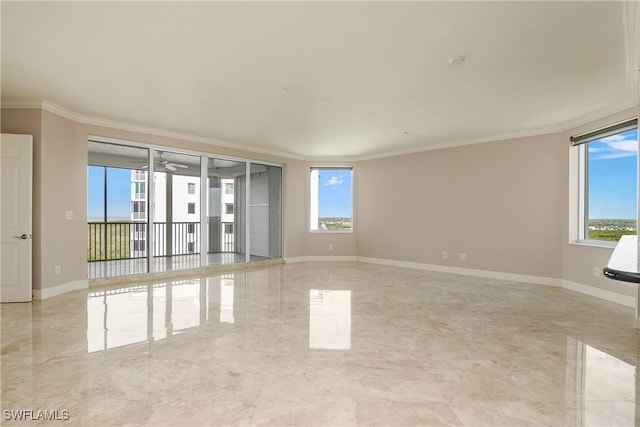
(175,211)
(154,210)
(116,210)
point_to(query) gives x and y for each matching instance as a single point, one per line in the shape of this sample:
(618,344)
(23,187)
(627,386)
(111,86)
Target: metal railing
(112,240)
(109,241)
(226,228)
(184,240)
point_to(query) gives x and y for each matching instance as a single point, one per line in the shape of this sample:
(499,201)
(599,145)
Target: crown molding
(96,121)
(501,137)
(59,110)
(25,104)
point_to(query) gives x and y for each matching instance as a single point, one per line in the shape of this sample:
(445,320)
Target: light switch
(69,214)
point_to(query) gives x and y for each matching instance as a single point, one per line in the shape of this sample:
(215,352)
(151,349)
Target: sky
(118,193)
(613,184)
(334,193)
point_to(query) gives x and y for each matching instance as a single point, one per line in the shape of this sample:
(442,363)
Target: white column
(247,213)
(204,189)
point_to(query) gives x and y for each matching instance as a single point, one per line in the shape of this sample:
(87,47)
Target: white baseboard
(40,294)
(293,260)
(536,280)
(521,278)
(600,293)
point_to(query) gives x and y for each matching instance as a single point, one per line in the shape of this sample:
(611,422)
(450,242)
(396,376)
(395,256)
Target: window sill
(595,244)
(331,231)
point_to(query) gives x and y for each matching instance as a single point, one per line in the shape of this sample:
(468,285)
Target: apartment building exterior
(176,205)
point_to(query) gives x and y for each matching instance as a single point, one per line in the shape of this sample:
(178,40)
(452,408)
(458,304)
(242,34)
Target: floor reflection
(226,299)
(153,312)
(605,386)
(329,319)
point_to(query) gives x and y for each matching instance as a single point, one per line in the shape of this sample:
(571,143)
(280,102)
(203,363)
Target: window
(609,182)
(191,208)
(138,210)
(191,188)
(228,208)
(140,187)
(191,247)
(191,228)
(331,200)
(228,228)
(228,188)
(139,245)
(138,206)
(139,190)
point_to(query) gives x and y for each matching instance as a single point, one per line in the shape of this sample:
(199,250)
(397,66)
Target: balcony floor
(123,267)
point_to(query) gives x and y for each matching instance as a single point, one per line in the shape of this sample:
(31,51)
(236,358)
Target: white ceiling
(325,79)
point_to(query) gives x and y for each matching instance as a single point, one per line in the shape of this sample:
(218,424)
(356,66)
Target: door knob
(23,237)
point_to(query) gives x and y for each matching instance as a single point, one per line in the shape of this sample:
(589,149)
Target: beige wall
(63,189)
(501,203)
(507,204)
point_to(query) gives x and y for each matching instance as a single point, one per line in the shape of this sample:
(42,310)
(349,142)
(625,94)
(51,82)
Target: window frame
(582,142)
(349,168)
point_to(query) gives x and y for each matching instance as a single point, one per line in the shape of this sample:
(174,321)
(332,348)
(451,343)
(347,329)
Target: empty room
(319,213)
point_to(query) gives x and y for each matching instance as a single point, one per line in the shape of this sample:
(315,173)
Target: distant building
(184,214)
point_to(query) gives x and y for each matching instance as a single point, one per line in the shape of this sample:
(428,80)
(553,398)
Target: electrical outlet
(463,256)
(57,270)
(596,271)
(331,247)
(445,255)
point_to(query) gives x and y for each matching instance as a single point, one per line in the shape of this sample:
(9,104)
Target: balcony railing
(227,237)
(184,240)
(109,241)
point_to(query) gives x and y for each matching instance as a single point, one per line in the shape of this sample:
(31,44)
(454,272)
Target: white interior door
(16,163)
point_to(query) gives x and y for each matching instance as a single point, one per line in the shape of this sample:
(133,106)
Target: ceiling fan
(161,164)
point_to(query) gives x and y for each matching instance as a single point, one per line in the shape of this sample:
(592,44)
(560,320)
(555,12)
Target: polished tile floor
(321,344)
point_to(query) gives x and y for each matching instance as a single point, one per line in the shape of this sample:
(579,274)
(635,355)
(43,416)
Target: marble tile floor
(324,344)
